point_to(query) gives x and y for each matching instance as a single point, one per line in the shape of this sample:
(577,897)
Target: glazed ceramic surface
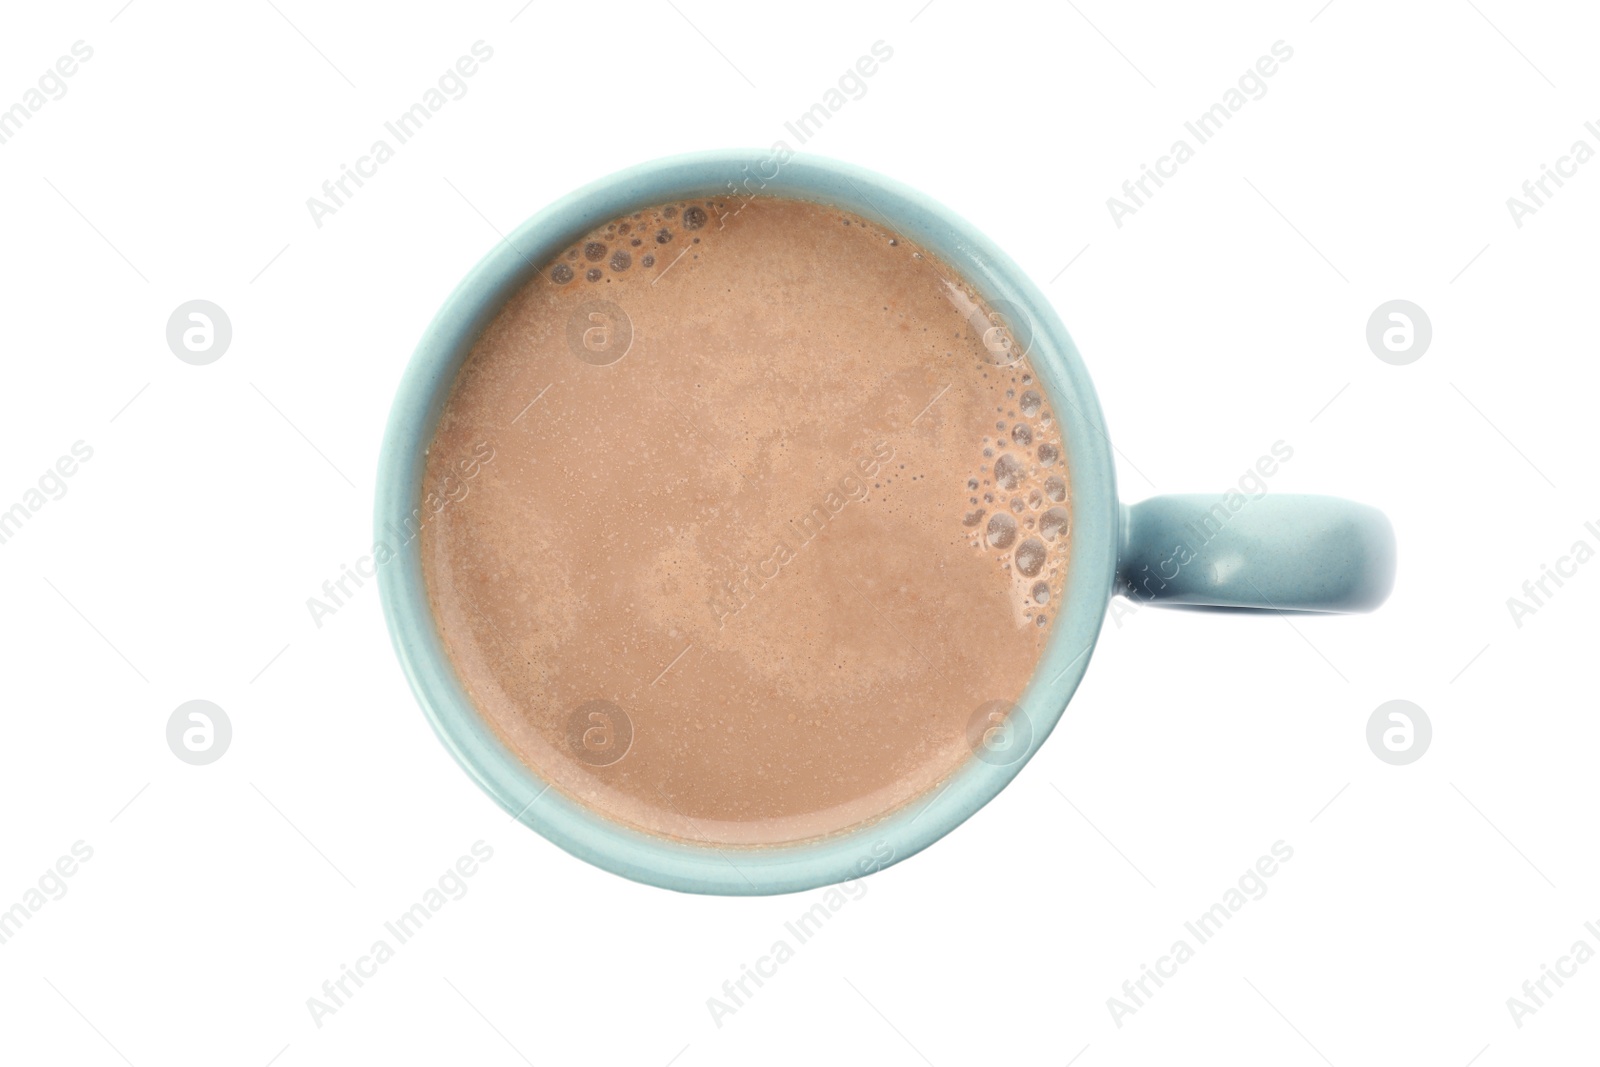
(1274,551)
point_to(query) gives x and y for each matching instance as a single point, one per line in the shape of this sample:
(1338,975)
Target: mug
(1238,549)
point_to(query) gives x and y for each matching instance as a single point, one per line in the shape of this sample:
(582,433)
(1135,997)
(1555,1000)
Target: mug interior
(668,862)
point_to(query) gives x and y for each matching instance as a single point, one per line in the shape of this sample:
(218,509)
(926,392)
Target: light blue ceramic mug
(1238,548)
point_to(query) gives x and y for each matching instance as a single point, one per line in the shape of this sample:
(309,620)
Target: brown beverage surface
(761,578)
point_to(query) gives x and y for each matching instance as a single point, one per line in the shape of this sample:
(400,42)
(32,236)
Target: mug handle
(1284,552)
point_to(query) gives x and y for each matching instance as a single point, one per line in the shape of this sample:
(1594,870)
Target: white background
(1227,314)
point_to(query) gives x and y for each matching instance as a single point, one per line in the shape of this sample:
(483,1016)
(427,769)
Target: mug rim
(426,382)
